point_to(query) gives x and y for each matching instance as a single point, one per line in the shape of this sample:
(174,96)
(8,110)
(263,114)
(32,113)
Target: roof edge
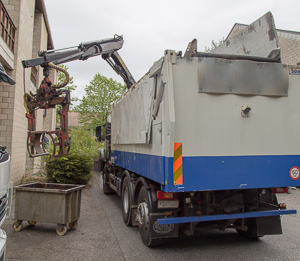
(287,31)
(233,28)
(279,30)
(40,5)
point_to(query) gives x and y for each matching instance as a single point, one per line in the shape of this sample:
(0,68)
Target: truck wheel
(106,188)
(101,165)
(126,202)
(143,214)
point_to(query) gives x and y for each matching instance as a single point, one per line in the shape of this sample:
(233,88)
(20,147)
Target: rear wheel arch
(139,184)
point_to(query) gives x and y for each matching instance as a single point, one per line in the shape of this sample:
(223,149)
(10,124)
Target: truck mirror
(98,134)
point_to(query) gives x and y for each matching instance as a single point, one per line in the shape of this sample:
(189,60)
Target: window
(7,28)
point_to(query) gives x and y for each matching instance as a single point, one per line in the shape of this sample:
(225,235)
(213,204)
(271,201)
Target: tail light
(166,195)
(280,190)
(282,205)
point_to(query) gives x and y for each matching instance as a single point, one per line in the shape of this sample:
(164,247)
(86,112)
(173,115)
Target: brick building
(24,31)
(73,119)
(289,43)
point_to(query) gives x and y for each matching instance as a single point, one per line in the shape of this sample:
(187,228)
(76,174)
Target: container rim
(49,187)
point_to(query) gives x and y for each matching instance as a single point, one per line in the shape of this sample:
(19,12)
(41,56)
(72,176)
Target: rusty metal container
(48,203)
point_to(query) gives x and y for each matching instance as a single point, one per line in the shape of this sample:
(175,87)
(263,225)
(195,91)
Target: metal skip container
(48,203)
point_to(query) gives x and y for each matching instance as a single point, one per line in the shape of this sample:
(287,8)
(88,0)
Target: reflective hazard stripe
(177,164)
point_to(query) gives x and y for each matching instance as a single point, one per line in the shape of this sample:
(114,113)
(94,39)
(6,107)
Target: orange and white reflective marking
(177,164)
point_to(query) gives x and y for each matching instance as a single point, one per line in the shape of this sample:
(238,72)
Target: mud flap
(161,231)
(269,226)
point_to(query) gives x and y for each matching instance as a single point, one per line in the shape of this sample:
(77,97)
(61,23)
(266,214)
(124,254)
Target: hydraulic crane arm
(107,48)
(48,95)
(116,62)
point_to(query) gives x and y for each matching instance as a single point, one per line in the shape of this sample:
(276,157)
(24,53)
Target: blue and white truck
(206,140)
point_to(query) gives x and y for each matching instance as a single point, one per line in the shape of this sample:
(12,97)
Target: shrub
(72,169)
(75,168)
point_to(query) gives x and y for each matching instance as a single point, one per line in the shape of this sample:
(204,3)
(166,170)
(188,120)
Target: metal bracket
(245,111)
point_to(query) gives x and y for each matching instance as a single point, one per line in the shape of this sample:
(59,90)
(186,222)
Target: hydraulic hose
(55,86)
(25,104)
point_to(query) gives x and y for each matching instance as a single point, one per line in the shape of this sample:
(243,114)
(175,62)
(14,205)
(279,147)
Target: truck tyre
(144,219)
(126,202)
(101,165)
(106,188)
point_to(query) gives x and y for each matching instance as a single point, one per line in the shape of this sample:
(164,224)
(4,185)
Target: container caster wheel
(61,230)
(73,224)
(17,226)
(31,223)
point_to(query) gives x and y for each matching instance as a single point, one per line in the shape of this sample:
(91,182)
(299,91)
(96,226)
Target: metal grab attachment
(36,143)
(39,145)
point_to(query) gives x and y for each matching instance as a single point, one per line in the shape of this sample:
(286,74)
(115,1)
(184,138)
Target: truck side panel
(223,147)
(149,166)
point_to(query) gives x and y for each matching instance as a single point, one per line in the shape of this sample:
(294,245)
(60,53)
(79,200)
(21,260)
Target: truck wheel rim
(126,200)
(143,217)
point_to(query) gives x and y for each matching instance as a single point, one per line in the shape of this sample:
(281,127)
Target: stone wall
(290,46)
(31,37)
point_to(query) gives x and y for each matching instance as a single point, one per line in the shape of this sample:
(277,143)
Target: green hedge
(72,169)
(75,168)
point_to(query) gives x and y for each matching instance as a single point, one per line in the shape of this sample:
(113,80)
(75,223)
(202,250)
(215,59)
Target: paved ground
(102,235)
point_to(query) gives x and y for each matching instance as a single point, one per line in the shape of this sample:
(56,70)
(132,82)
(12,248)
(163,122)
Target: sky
(150,27)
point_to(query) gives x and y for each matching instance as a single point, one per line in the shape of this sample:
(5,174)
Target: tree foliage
(83,142)
(214,44)
(70,86)
(95,104)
